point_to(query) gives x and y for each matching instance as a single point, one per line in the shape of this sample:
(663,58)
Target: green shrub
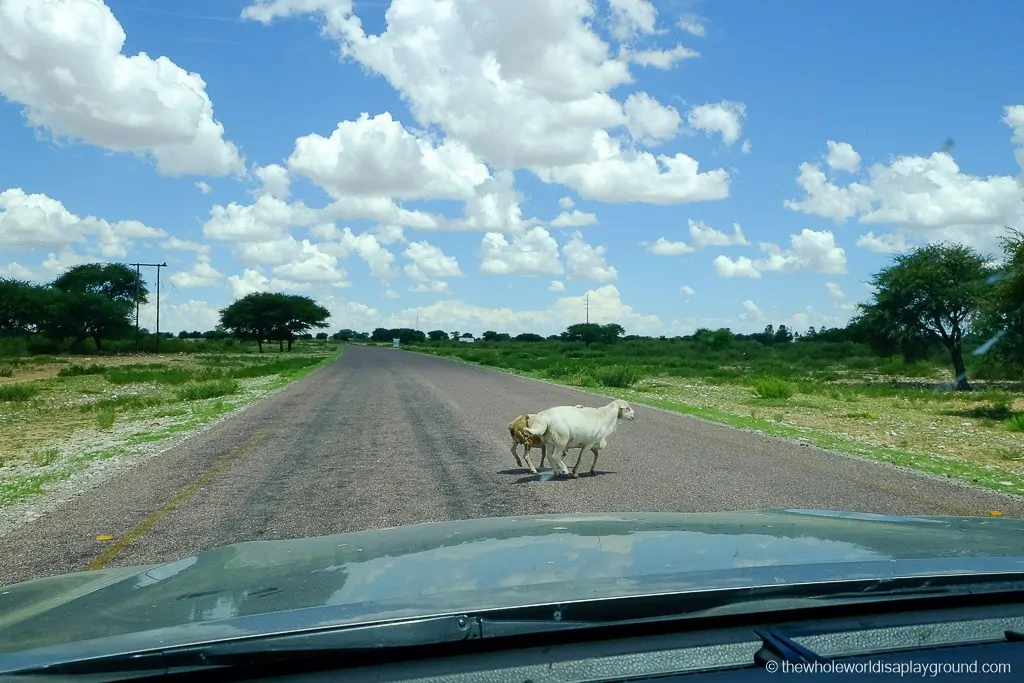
(204,390)
(18,392)
(1015,423)
(79,370)
(620,376)
(106,418)
(773,388)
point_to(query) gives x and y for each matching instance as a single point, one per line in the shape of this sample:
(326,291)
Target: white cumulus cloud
(62,61)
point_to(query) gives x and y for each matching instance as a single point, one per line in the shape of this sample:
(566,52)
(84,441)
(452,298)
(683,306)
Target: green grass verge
(199,398)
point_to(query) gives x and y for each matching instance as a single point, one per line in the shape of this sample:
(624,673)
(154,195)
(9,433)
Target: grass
(773,388)
(202,390)
(830,395)
(16,393)
(58,417)
(79,370)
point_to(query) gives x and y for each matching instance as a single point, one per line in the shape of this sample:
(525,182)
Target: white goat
(564,427)
(517,430)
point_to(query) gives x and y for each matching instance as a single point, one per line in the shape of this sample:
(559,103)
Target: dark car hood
(426,569)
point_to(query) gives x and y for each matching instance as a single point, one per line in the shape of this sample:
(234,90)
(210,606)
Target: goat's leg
(593,450)
(557,464)
(543,454)
(526,456)
(576,467)
(519,461)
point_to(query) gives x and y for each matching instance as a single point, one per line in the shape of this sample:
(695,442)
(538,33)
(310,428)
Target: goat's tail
(537,429)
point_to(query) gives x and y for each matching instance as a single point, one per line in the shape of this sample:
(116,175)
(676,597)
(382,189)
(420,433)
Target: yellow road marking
(104,537)
(145,525)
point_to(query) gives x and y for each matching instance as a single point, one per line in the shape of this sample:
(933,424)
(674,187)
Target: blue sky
(483,123)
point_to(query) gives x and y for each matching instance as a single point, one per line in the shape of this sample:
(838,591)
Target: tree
(22,307)
(1002,315)
(269,316)
(714,339)
(345,334)
(932,292)
(94,300)
(253,317)
(783,335)
(297,315)
(112,280)
(405,335)
(592,332)
(437,335)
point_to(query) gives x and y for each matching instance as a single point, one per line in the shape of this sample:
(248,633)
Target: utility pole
(138,282)
(162,265)
(588,308)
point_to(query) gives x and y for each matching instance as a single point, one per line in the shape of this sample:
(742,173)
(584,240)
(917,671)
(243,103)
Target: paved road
(383,437)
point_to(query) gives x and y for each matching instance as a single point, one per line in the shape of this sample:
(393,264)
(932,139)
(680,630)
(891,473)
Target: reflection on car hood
(427,569)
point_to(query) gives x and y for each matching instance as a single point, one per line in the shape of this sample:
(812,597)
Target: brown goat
(517,430)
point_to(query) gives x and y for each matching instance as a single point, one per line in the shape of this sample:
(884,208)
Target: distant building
(467,339)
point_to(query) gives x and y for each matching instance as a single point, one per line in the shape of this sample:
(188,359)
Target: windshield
(275,270)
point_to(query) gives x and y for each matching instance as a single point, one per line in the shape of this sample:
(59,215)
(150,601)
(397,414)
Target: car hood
(429,569)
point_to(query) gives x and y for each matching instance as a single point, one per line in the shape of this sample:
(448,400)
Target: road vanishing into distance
(381,438)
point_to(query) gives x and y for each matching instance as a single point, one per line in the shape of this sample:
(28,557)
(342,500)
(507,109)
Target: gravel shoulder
(383,437)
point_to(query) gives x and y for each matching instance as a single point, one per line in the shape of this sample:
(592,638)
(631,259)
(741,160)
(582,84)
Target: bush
(79,370)
(620,376)
(773,388)
(204,390)
(106,418)
(1015,423)
(18,392)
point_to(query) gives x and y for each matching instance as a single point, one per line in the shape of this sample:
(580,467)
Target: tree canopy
(589,333)
(933,292)
(271,316)
(89,301)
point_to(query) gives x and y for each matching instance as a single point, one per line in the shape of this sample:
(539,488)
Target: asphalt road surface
(383,437)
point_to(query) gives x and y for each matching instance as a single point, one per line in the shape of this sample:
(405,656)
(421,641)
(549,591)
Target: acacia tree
(934,292)
(297,316)
(592,332)
(93,300)
(271,316)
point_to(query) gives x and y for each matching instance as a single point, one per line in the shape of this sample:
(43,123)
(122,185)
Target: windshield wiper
(530,620)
